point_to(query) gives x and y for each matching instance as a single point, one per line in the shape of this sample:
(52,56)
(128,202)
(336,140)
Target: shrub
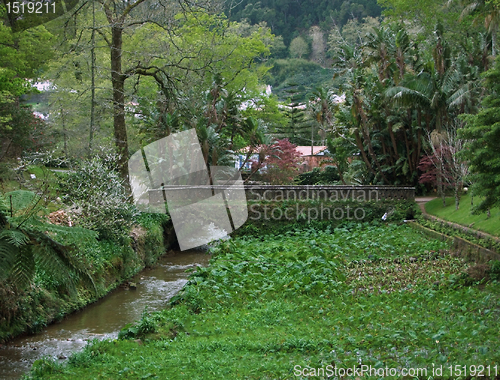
(98,199)
(328,176)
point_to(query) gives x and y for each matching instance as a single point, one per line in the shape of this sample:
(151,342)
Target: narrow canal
(103,319)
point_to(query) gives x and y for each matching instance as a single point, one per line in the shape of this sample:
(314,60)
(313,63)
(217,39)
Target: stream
(103,319)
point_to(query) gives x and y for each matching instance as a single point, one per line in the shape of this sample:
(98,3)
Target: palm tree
(489,11)
(379,49)
(321,105)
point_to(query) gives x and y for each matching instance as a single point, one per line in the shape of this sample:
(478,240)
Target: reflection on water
(105,318)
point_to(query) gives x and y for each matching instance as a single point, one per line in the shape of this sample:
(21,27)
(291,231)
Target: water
(103,319)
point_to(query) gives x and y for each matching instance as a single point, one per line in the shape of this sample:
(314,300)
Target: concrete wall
(470,251)
(329,193)
(282,193)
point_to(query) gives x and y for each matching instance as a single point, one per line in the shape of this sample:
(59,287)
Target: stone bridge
(330,193)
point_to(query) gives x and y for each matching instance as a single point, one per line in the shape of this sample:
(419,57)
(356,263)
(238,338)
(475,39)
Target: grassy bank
(283,305)
(49,299)
(463,215)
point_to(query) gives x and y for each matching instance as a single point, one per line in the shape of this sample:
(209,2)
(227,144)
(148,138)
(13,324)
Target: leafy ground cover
(268,307)
(464,216)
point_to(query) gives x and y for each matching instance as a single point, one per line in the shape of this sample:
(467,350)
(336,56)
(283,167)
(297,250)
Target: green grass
(463,215)
(371,294)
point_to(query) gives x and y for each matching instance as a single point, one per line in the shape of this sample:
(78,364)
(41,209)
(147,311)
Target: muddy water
(103,319)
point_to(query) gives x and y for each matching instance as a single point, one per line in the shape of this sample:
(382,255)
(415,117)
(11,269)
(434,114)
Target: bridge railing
(277,193)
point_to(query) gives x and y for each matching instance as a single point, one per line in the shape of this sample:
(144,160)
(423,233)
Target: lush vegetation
(287,18)
(401,93)
(393,106)
(53,262)
(380,295)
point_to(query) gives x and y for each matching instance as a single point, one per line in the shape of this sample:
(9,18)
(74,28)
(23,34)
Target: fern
(20,200)
(14,237)
(58,259)
(8,253)
(28,243)
(23,269)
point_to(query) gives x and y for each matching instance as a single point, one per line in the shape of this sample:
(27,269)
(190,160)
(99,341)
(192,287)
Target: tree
(22,55)
(318,44)
(135,16)
(443,161)
(482,135)
(298,47)
(489,11)
(355,32)
(297,130)
(339,155)
(397,92)
(282,163)
(423,14)
(321,107)
(172,53)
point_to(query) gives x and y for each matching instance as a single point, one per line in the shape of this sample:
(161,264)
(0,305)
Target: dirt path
(421,201)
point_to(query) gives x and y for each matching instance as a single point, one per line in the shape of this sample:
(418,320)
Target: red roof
(305,150)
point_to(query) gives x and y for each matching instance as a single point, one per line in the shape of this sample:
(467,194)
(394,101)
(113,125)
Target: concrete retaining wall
(470,251)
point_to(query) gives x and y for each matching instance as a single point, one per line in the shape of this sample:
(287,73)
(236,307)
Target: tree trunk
(440,184)
(341,175)
(65,136)
(457,197)
(419,136)
(361,148)
(408,157)
(118,83)
(494,43)
(92,71)
(366,136)
(393,140)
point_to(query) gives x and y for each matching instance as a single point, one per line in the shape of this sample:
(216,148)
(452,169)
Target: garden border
(465,248)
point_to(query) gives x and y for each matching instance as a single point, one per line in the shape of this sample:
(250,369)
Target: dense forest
(407,81)
(288,18)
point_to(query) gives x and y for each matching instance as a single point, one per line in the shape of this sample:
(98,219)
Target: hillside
(287,18)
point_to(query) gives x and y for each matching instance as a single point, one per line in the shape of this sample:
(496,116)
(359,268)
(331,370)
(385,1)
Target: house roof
(305,150)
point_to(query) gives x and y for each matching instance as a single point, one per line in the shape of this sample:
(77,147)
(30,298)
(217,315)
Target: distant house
(309,161)
(240,159)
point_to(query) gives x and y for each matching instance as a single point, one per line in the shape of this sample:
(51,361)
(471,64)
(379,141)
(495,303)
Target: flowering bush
(97,198)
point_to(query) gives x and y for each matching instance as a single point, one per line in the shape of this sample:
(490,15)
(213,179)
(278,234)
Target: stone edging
(465,248)
(471,231)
